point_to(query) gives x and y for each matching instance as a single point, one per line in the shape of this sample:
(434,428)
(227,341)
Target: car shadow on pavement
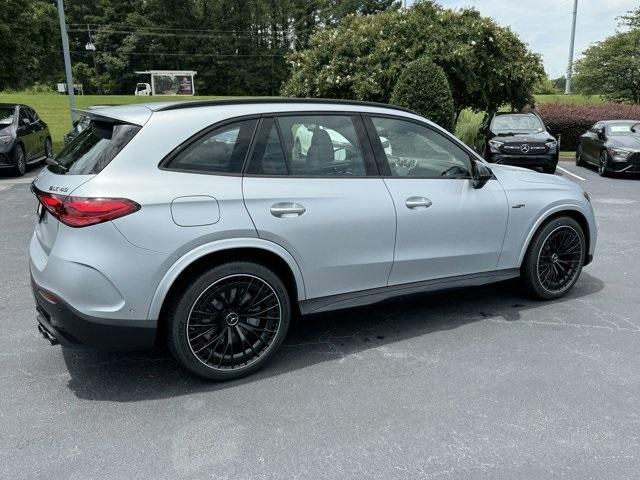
(130,377)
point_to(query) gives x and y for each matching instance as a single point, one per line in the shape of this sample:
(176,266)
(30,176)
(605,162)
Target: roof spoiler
(131,114)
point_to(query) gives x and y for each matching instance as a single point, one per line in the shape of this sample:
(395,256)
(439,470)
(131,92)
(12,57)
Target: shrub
(468,129)
(423,87)
(572,120)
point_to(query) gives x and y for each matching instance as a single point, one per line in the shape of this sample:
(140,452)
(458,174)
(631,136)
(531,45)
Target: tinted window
(414,150)
(6,115)
(623,129)
(268,156)
(93,148)
(322,145)
(23,115)
(222,150)
(516,123)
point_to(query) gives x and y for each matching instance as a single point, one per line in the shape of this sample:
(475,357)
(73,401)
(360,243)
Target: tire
(554,259)
(48,148)
(211,331)
(20,161)
(551,170)
(603,164)
(579,161)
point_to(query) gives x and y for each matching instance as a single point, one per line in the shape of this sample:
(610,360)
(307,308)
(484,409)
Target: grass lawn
(54,109)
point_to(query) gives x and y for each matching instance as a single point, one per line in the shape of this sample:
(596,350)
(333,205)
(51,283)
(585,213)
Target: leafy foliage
(238,47)
(572,120)
(423,87)
(612,67)
(486,65)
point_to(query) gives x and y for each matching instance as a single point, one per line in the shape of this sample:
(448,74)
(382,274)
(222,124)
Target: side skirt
(374,295)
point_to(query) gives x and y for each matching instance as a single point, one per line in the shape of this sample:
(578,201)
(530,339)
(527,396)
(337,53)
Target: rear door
(324,203)
(446,227)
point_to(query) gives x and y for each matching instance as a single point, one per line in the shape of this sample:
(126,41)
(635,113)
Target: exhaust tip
(47,336)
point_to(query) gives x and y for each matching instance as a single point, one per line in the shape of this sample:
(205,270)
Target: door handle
(287,210)
(418,203)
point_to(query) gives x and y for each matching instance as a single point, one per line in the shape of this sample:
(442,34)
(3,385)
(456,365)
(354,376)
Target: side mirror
(481,174)
(25,121)
(600,133)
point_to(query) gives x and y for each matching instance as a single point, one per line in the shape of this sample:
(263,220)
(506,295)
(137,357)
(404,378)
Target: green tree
(29,41)
(487,66)
(423,87)
(612,67)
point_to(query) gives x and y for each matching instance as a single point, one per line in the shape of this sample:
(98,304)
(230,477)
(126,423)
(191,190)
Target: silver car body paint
(346,240)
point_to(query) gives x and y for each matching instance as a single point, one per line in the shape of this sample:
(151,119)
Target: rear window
(93,148)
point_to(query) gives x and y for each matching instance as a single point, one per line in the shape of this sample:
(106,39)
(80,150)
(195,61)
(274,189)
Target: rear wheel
(579,161)
(603,164)
(48,148)
(555,258)
(19,161)
(230,321)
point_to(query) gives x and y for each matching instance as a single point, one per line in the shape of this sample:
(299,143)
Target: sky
(545,25)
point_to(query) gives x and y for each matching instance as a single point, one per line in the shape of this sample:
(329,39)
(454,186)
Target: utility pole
(67,58)
(567,89)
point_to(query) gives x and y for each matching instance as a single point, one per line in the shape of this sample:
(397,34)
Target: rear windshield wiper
(55,163)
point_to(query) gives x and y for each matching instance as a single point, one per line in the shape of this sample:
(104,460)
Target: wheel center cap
(232,319)
(555,258)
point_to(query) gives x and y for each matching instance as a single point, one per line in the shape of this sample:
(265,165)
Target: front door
(446,227)
(312,187)
(26,134)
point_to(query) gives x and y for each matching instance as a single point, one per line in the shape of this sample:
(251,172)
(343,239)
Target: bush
(572,120)
(423,87)
(468,129)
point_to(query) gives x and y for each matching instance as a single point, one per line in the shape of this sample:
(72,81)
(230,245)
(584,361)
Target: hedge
(572,120)
(423,87)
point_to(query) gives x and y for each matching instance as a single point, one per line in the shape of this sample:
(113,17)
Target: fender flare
(188,258)
(543,218)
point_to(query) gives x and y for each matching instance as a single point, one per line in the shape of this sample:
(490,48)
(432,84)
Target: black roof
(239,101)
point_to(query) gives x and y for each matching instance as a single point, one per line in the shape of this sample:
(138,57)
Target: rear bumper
(73,329)
(537,161)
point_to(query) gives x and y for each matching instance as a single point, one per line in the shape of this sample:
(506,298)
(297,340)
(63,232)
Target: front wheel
(554,259)
(19,161)
(230,321)
(603,164)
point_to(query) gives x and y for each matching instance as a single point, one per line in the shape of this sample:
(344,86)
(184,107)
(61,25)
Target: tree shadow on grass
(130,377)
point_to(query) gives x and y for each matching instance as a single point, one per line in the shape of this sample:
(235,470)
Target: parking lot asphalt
(480,383)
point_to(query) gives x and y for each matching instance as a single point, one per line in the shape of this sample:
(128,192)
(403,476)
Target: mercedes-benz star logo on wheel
(524,148)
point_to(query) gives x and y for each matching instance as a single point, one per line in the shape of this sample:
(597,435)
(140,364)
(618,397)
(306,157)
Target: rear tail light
(81,211)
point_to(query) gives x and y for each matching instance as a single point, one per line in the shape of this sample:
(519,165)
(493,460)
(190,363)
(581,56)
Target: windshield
(93,148)
(623,129)
(6,115)
(516,123)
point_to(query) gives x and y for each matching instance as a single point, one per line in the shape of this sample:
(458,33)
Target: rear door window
(93,148)
(222,150)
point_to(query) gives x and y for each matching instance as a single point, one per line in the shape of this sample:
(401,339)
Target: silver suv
(206,224)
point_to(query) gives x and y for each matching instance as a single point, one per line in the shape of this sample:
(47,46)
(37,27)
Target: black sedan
(520,139)
(612,145)
(24,138)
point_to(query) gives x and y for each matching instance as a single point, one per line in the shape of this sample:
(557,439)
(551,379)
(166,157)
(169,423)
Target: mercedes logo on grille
(524,148)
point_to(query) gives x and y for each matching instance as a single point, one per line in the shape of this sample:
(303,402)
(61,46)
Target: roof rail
(328,101)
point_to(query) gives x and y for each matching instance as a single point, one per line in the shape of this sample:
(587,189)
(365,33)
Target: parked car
(24,138)
(520,139)
(612,145)
(79,124)
(191,222)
